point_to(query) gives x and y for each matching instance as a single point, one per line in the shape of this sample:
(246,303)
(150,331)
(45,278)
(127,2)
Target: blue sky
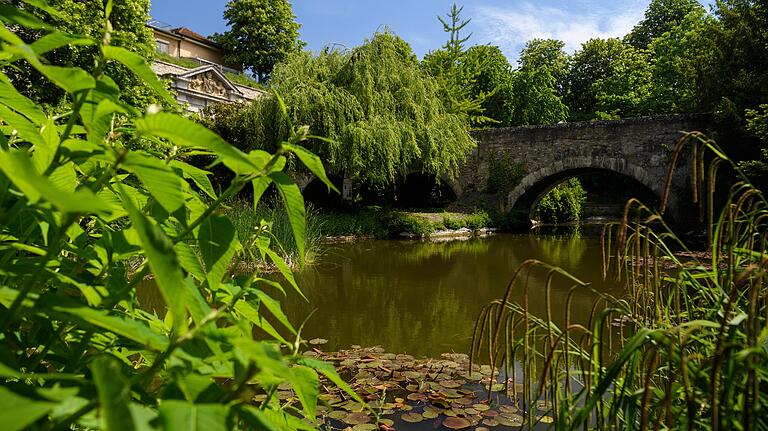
(506,23)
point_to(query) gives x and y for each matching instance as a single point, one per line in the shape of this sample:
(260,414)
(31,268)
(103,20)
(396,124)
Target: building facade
(194,66)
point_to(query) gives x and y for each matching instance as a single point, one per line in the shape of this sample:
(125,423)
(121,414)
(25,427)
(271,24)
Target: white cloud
(510,27)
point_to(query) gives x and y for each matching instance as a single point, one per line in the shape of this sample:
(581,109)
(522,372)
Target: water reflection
(422,298)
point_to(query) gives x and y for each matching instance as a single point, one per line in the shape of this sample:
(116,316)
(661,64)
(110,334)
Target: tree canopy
(382,113)
(261,34)
(660,17)
(86,17)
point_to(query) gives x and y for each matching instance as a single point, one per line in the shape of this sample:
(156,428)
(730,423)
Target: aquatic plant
(684,349)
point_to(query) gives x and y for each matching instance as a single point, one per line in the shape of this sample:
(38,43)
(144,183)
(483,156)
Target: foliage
(504,173)
(683,61)
(86,17)
(466,78)
(380,111)
(595,61)
(261,34)
(536,89)
(247,221)
(563,203)
(627,91)
(368,221)
(84,219)
(684,349)
(660,17)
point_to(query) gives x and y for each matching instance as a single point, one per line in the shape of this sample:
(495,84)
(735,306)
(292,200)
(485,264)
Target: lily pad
(481,407)
(456,423)
(482,429)
(491,422)
(545,419)
(387,422)
(450,384)
(430,414)
(412,417)
(318,341)
(357,418)
(510,421)
(365,427)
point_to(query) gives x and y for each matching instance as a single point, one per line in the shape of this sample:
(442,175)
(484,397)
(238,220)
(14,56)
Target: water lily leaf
(450,384)
(415,396)
(412,417)
(545,419)
(387,422)
(357,418)
(365,427)
(339,415)
(481,407)
(510,421)
(481,429)
(456,423)
(318,341)
(491,422)
(430,414)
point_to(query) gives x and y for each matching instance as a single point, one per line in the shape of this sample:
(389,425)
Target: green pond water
(422,298)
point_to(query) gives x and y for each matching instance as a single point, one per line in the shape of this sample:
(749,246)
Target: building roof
(182,33)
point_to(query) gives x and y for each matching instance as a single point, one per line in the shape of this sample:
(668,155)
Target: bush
(85,219)
(563,203)
(504,173)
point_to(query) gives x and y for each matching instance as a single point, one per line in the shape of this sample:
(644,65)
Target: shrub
(563,203)
(85,219)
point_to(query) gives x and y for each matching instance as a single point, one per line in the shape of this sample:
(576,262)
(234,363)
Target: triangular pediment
(208,79)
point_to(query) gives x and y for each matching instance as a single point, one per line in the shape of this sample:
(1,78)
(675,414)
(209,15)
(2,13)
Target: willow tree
(380,112)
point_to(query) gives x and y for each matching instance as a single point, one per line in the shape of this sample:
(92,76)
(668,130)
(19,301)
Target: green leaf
(55,40)
(294,206)
(114,393)
(162,259)
(217,239)
(20,103)
(329,371)
(188,134)
(197,175)
(138,65)
(274,307)
(18,167)
(249,311)
(70,79)
(19,412)
(190,261)
(306,385)
(181,415)
(14,15)
(312,162)
(161,181)
(133,330)
(285,271)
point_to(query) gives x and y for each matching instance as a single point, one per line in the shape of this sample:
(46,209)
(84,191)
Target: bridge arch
(535,185)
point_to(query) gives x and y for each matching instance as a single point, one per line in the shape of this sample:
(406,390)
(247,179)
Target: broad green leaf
(163,262)
(18,167)
(19,412)
(181,415)
(258,420)
(196,304)
(217,240)
(138,65)
(19,125)
(14,15)
(189,260)
(280,419)
(306,385)
(133,330)
(186,133)
(294,207)
(10,97)
(70,79)
(114,393)
(161,181)
(274,307)
(312,162)
(250,311)
(197,175)
(260,185)
(57,39)
(329,371)
(285,271)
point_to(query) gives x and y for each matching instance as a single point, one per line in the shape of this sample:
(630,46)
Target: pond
(422,298)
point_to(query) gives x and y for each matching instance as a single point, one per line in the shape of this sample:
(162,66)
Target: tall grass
(247,222)
(686,348)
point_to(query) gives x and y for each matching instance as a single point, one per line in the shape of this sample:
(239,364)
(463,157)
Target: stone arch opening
(316,193)
(419,190)
(621,179)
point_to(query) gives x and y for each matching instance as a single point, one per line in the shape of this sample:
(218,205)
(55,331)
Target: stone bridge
(638,148)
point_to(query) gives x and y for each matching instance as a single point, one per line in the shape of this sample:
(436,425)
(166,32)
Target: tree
(86,17)
(684,58)
(382,113)
(455,72)
(626,92)
(660,17)
(261,34)
(594,61)
(535,87)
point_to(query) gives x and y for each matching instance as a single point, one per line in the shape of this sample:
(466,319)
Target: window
(163,47)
